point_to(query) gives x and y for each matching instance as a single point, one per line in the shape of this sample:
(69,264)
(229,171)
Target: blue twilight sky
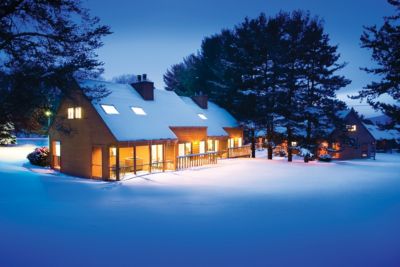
(149,36)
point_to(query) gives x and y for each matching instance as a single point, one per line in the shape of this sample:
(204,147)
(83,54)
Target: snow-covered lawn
(241,212)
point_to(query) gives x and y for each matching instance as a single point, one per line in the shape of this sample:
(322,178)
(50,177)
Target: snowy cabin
(354,140)
(138,129)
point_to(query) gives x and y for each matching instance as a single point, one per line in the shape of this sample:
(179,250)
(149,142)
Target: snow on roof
(343,113)
(216,117)
(381,134)
(382,119)
(167,109)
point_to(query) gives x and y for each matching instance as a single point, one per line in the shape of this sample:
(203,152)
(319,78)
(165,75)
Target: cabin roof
(217,117)
(165,111)
(382,134)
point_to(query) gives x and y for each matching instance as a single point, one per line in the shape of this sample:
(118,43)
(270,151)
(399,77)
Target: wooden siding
(364,142)
(79,136)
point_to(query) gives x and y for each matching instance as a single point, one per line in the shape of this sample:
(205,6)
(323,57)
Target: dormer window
(110,109)
(351,128)
(138,111)
(74,113)
(202,116)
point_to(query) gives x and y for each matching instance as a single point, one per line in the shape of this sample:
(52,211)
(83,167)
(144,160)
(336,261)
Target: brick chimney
(144,87)
(201,100)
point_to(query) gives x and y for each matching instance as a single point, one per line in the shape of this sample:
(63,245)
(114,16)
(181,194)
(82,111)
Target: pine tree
(318,97)
(384,42)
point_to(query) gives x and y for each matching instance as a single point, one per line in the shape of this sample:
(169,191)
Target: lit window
(351,128)
(210,144)
(138,111)
(78,113)
(202,148)
(70,113)
(109,109)
(294,143)
(231,143)
(240,142)
(184,149)
(57,148)
(202,116)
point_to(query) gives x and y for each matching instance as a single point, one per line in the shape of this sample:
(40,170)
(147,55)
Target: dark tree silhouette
(44,46)
(384,42)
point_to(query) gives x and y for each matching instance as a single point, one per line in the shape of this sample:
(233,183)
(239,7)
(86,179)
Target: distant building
(351,141)
(138,129)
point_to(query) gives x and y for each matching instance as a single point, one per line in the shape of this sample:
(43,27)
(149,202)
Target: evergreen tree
(319,102)
(384,42)
(44,45)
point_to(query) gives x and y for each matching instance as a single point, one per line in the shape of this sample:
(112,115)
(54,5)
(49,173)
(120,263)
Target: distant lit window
(57,145)
(210,145)
(138,111)
(294,143)
(110,109)
(78,113)
(351,128)
(70,113)
(202,116)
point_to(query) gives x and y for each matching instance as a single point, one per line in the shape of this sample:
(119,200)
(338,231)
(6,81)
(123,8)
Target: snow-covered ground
(241,212)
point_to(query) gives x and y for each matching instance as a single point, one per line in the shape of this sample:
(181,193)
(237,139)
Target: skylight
(109,109)
(138,111)
(202,116)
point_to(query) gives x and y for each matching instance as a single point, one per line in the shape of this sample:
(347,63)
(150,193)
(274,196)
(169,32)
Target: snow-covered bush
(325,158)
(6,134)
(40,157)
(306,154)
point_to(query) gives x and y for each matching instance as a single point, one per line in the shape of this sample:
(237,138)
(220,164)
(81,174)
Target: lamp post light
(48,115)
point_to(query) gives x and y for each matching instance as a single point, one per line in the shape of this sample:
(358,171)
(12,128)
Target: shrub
(40,157)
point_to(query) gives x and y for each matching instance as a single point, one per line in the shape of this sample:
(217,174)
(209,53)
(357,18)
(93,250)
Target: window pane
(181,150)
(138,111)
(202,116)
(188,148)
(78,113)
(210,145)
(109,109)
(58,148)
(202,147)
(216,145)
(70,113)
(240,142)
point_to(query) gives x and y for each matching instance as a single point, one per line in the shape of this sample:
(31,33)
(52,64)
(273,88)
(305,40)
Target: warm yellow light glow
(78,113)
(47,113)
(70,113)
(351,128)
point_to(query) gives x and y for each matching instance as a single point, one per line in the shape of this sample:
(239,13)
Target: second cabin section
(138,129)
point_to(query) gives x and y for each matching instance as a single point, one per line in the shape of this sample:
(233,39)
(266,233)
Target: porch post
(150,163)
(134,159)
(163,157)
(117,172)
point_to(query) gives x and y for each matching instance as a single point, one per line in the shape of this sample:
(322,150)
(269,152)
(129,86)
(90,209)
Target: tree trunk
(289,145)
(253,144)
(269,151)
(269,146)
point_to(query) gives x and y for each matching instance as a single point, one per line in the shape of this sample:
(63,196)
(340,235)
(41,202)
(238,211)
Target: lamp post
(48,115)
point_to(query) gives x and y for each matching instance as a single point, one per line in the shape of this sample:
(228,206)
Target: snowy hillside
(241,212)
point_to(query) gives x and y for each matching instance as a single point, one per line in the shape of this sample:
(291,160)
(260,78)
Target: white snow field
(241,212)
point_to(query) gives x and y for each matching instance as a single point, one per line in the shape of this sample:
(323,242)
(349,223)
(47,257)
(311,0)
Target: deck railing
(195,160)
(237,152)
